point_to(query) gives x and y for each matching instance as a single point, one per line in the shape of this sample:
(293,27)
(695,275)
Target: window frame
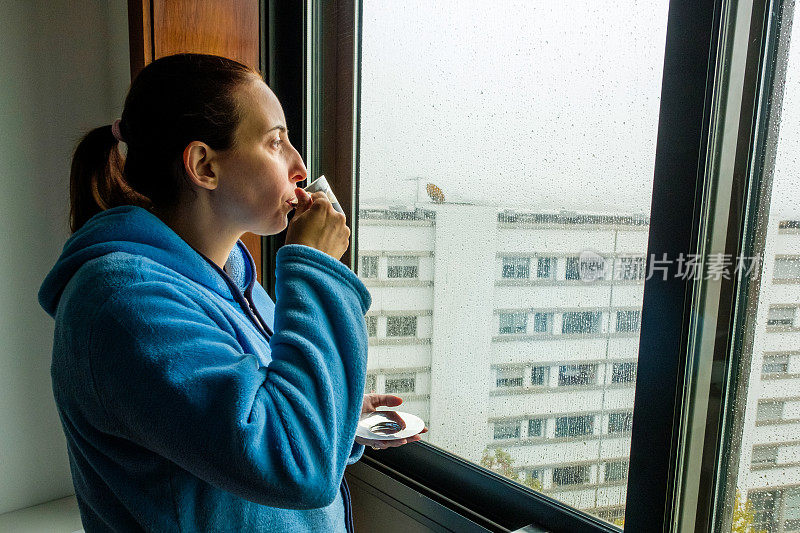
(329,144)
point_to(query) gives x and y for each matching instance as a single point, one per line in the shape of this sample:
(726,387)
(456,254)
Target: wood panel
(229,28)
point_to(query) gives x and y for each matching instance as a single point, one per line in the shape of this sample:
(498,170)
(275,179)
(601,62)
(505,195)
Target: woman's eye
(276,143)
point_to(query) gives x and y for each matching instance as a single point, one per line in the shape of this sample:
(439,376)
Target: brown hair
(173,101)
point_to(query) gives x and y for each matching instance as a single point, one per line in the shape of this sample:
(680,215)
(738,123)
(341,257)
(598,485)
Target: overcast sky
(533,104)
(530,104)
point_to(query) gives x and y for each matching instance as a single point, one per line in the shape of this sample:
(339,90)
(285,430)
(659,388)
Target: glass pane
(766,472)
(505,178)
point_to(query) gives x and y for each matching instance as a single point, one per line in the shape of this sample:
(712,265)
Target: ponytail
(95,181)
(173,101)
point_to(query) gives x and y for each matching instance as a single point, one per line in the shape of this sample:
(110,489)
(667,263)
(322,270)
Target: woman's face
(258,175)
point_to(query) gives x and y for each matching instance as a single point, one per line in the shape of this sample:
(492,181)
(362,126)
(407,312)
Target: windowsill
(394,341)
(523,337)
(769,466)
(778,375)
(785,281)
(56,515)
(782,329)
(535,282)
(564,388)
(777,422)
(501,443)
(396,282)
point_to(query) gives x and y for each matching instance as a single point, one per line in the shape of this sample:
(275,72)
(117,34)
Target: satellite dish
(435,193)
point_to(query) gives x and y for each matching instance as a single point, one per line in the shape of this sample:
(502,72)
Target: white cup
(321,184)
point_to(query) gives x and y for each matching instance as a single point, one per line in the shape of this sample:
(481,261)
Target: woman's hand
(370,404)
(317,224)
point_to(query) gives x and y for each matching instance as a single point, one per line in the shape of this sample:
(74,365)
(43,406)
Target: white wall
(64,69)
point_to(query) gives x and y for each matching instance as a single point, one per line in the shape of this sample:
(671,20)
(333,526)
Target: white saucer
(414,425)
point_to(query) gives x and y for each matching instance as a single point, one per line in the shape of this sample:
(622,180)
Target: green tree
(743,516)
(502,463)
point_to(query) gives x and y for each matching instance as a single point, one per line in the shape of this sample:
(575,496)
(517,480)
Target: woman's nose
(297,172)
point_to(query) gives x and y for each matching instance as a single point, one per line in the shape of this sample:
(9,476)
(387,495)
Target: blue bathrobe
(189,400)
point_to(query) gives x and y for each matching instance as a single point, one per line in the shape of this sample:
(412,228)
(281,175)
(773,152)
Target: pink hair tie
(116,132)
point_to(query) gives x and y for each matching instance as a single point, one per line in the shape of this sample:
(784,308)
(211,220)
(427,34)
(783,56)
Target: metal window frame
(329,139)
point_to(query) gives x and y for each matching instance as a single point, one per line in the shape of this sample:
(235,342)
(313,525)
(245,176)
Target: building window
(787,268)
(581,322)
(506,430)
(542,322)
(513,323)
(517,267)
(765,455)
(539,375)
(573,268)
(764,504)
(789,224)
(571,375)
(369,267)
(536,427)
(546,268)
(775,364)
(509,378)
(535,473)
(401,326)
(400,383)
(571,475)
(630,268)
(769,411)
(628,320)
(402,266)
(574,426)
(616,471)
(371,384)
(620,422)
(791,511)
(781,316)
(623,373)
(372,325)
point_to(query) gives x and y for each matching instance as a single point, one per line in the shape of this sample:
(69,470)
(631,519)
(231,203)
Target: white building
(486,324)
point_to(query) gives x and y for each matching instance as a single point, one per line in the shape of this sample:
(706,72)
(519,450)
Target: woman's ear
(197,163)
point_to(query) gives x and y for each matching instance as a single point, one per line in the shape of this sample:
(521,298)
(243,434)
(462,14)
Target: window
(406,204)
(517,267)
(369,267)
(787,268)
(539,375)
(509,378)
(513,323)
(571,375)
(401,383)
(411,81)
(542,322)
(372,325)
(371,383)
(630,268)
(571,475)
(628,320)
(536,427)
(775,365)
(401,326)
(546,268)
(402,267)
(506,430)
(581,322)
(764,503)
(620,422)
(574,426)
(623,373)
(769,411)
(573,270)
(764,455)
(792,509)
(616,471)
(781,316)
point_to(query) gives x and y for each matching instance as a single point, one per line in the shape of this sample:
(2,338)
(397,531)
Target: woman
(191,402)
